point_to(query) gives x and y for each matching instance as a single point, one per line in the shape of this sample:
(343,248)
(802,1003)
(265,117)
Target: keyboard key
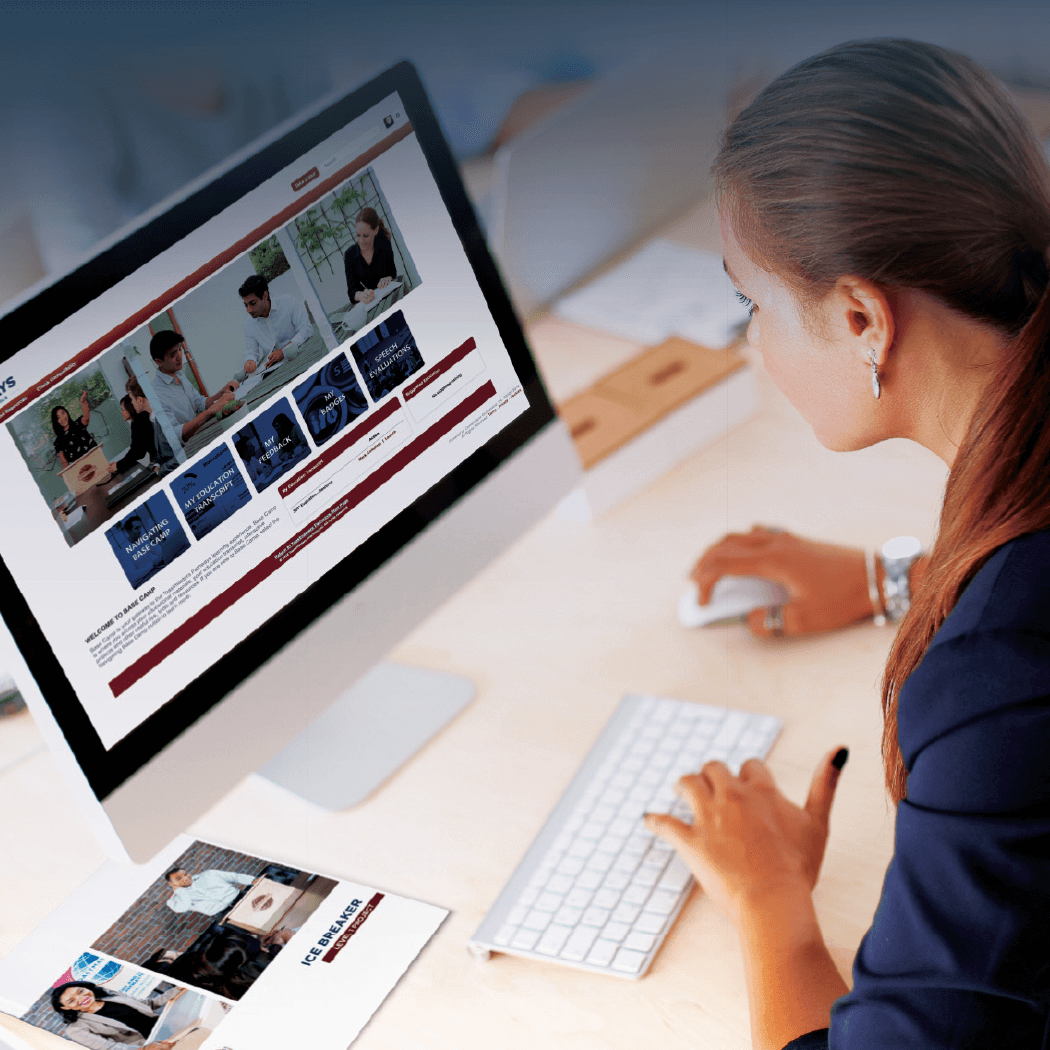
(578,898)
(536,920)
(662,902)
(570,866)
(529,896)
(580,848)
(611,844)
(677,876)
(628,961)
(610,799)
(554,940)
(599,861)
(588,880)
(525,940)
(504,934)
(606,898)
(635,895)
(649,922)
(632,810)
(560,883)
(548,902)
(623,827)
(568,916)
(626,913)
(579,943)
(517,913)
(602,953)
(595,916)
(647,877)
(617,880)
(627,862)
(639,942)
(638,842)
(730,729)
(541,875)
(593,829)
(615,931)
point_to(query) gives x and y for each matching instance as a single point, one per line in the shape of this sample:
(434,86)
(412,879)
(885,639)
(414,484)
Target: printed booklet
(207,948)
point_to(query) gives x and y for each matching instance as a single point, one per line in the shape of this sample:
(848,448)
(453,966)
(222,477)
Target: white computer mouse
(732,598)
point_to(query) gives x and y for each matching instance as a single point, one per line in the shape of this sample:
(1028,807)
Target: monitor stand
(368,734)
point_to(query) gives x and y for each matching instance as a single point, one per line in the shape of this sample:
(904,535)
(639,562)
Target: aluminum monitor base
(380,723)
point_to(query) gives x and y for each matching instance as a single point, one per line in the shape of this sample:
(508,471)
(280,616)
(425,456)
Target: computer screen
(225,422)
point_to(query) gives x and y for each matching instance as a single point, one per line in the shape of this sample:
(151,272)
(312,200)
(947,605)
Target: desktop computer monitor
(250,444)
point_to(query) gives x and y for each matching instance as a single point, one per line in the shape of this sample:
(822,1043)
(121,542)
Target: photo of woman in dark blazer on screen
(885,214)
(370,262)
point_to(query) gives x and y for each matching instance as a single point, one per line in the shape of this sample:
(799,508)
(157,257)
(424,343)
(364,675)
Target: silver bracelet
(873,589)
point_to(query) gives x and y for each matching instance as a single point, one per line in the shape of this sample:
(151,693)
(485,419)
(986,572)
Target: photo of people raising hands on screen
(72,437)
(86,447)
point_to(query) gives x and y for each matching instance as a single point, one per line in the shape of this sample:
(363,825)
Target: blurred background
(108,107)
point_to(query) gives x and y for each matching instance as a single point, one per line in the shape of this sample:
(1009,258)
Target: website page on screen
(194,448)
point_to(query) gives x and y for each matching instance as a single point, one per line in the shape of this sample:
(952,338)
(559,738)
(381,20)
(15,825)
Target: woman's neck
(946,362)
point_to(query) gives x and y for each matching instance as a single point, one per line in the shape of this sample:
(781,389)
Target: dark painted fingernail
(840,758)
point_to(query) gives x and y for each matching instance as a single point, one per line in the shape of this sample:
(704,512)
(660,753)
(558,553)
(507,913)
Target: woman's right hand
(827,583)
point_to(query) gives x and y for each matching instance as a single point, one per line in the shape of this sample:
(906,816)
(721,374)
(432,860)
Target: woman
(105,1020)
(369,263)
(72,438)
(141,437)
(885,212)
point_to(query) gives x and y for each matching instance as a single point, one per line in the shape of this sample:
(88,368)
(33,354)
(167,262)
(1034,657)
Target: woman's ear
(865,317)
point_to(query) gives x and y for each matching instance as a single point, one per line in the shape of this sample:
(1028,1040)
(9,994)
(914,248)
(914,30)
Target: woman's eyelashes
(747,302)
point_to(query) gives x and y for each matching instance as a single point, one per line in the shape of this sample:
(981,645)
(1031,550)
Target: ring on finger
(774,621)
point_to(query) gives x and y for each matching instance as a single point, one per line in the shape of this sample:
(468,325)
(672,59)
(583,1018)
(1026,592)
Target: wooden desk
(553,634)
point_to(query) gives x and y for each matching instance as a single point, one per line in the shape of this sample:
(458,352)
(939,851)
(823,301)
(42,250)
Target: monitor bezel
(106,770)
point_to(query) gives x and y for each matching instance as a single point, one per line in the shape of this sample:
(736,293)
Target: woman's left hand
(747,840)
(384,282)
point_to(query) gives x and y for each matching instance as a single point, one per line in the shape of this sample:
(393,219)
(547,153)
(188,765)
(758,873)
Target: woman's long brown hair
(908,165)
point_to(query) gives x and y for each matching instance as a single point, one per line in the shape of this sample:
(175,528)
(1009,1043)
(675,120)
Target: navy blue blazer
(958,954)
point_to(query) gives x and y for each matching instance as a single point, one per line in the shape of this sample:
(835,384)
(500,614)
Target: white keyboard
(596,890)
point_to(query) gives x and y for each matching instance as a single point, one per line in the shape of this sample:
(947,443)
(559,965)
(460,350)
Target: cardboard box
(262,908)
(636,423)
